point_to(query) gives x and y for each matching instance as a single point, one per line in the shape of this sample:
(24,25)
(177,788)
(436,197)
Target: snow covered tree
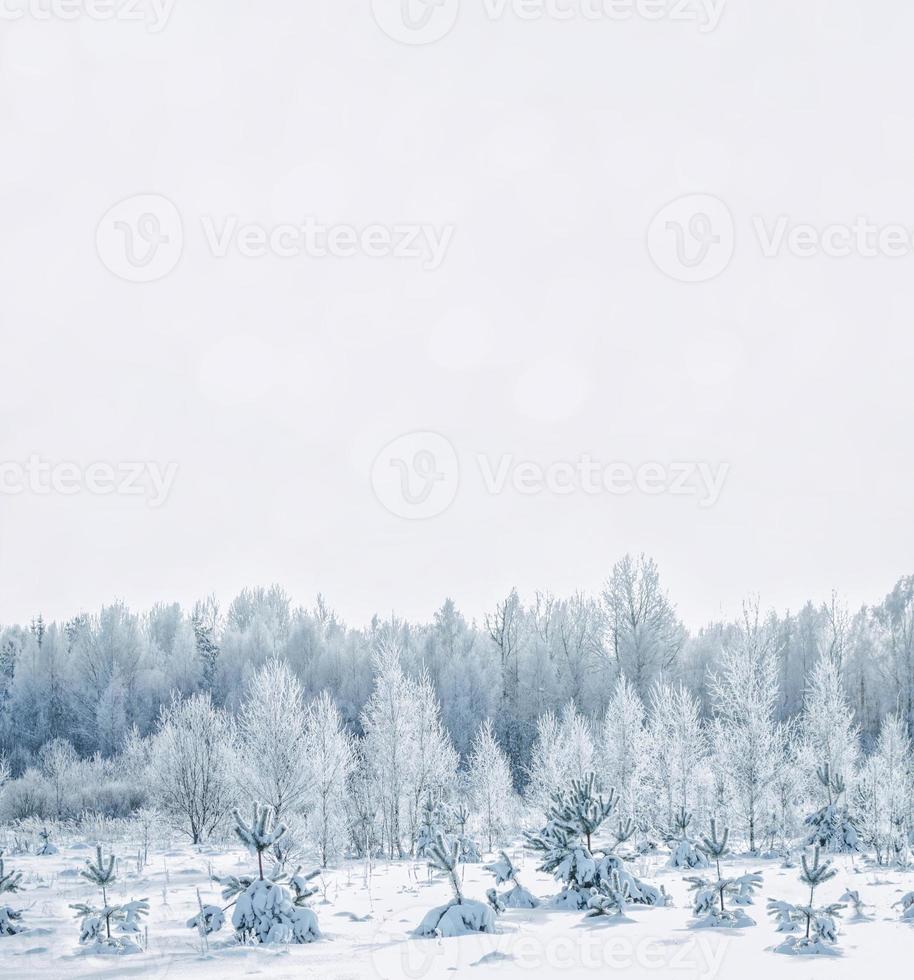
(267,909)
(10,918)
(645,634)
(405,748)
(460,916)
(490,784)
(431,827)
(906,904)
(821,930)
(563,750)
(101,874)
(674,753)
(829,735)
(744,732)
(709,905)
(882,797)
(272,739)
(830,826)
(506,873)
(684,852)
(191,766)
(58,761)
(97,922)
(564,845)
(329,762)
(621,744)
(431,766)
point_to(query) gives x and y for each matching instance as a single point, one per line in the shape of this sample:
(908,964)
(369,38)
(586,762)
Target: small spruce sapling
(570,859)
(831,827)
(47,848)
(125,918)
(821,930)
(684,853)
(906,904)
(505,872)
(267,910)
(461,916)
(709,904)
(10,918)
(612,897)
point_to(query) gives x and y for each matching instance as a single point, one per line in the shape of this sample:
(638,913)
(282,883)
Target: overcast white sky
(550,331)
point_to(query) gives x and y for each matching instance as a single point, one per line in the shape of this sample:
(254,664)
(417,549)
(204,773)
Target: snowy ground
(368,929)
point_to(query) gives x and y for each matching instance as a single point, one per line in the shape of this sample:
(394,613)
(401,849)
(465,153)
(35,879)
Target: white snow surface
(369,932)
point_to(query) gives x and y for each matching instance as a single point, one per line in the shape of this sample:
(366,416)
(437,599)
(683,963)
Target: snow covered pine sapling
(96,923)
(565,845)
(709,904)
(267,909)
(831,826)
(684,852)
(905,903)
(461,916)
(518,897)
(10,918)
(821,931)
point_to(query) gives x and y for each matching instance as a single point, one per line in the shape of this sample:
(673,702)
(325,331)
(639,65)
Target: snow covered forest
(106,715)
